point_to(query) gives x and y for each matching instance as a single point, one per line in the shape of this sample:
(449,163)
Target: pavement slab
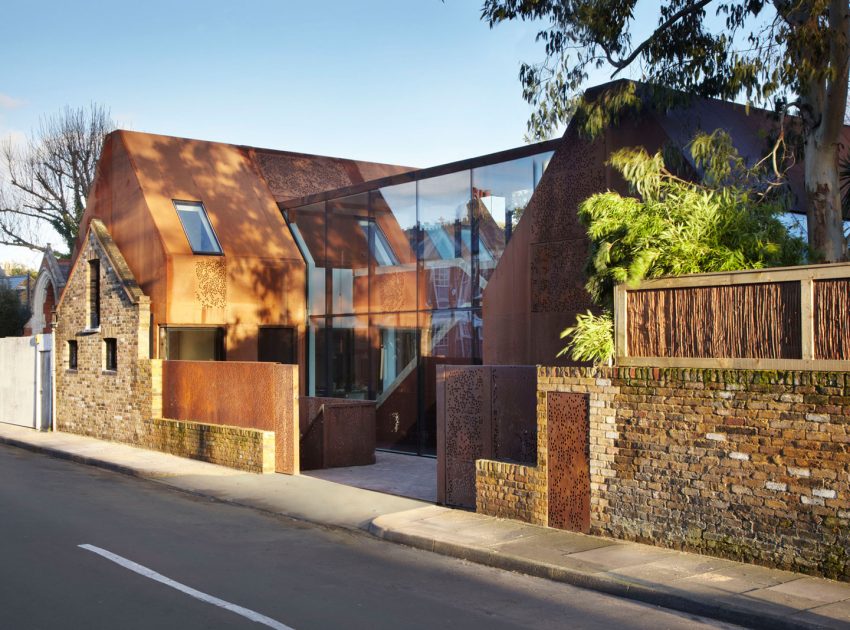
(736,577)
(832,615)
(729,591)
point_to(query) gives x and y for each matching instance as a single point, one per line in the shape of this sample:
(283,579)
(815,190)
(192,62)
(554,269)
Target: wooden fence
(781,318)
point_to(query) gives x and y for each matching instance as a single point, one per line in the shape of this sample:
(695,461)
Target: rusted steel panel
(483,412)
(569,465)
(336,432)
(514,424)
(235,393)
(467,403)
(349,434)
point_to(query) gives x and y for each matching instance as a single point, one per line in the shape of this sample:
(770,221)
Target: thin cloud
(9,102)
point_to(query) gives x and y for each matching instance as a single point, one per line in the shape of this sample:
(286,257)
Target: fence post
(620,307)
(807,318)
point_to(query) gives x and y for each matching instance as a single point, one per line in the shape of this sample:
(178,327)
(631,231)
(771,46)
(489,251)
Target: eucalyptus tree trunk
(823,102)
(823,201)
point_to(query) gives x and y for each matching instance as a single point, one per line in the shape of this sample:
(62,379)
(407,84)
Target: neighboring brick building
(49,284)
(102,341)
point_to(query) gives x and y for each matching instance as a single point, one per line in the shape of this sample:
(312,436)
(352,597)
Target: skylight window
(380,246)
(197,226)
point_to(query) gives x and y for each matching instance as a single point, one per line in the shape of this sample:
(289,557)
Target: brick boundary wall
(250,450)
(520,491)
(743,464)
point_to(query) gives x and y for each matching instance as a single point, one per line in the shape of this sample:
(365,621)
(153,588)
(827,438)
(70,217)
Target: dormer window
(197,226)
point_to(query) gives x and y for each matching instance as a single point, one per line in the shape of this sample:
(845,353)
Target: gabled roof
(116,260)
(238,185)
(57,269)
(295,175)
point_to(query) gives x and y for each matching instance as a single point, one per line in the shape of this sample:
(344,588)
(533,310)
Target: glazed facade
(396,271)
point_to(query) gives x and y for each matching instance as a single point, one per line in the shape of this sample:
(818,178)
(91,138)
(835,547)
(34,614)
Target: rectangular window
(276,344)
(196,225)
(110,351)
(72,355)
(192,344)
(94,294)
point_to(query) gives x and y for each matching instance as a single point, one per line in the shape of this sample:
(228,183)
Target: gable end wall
(89,400)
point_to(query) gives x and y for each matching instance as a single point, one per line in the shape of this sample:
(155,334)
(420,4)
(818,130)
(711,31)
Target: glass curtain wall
(395,280)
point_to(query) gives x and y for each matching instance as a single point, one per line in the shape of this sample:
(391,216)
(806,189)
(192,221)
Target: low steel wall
(336,432)
(250,395)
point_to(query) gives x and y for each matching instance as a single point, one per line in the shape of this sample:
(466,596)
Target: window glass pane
(395,380)
(197,226)
(317,365)
(450,335)
(348,253)
(72,355)
(276,344)
(393,279)
(541,163)
(94,294)
(349,358)
(194,344)
(444,204)
(111,354)
(307,225)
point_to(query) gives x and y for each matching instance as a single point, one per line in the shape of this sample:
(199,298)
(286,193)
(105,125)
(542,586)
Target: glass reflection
(349,358)
(392,247)
(348,254)
(444,204)
(395,370)
(307,225)
(395,279)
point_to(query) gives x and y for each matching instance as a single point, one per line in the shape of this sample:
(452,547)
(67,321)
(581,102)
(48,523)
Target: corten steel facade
(370,275)
(253,289)
(396,273)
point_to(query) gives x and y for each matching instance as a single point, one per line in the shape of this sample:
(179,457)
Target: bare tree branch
(50,176)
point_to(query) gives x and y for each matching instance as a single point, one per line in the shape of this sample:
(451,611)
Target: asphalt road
(296,575)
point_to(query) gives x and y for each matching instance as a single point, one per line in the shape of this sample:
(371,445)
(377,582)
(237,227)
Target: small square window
(110,359)
(276,344)
(196,225)
(72,355)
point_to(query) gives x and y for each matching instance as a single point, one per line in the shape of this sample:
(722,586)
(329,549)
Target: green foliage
(759,48)
(13,314)
(792,55)
(591,339)
(728,221)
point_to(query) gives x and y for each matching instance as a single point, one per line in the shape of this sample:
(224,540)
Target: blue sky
(414,82)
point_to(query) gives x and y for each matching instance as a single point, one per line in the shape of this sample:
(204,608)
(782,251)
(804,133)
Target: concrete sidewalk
(739,593)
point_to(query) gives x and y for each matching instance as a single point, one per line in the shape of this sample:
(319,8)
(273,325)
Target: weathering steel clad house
(366,275)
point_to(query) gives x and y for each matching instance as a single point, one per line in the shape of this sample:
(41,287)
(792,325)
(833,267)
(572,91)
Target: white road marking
(215,601)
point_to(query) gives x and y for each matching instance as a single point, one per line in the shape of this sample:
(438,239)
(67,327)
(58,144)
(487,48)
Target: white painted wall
(21,380)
